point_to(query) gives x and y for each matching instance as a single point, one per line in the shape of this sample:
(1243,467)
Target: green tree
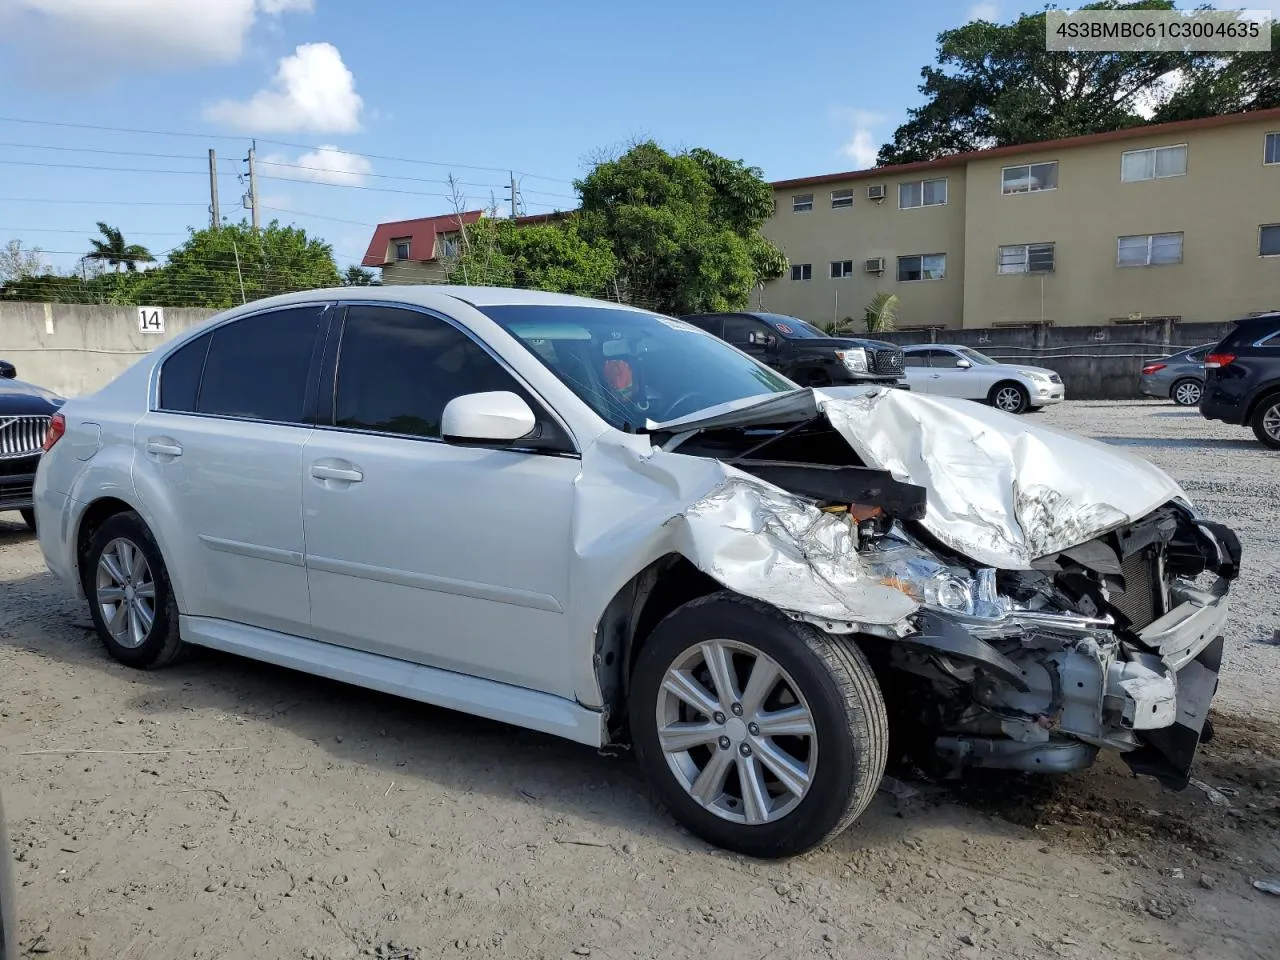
(684,228)
(357,276)
(17,263)
(996,85)
(552,256)
(1237,83)
(234,264)
(113,251)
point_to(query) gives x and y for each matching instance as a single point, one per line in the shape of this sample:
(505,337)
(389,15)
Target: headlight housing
(1035,375)
(854,359)
(932,583)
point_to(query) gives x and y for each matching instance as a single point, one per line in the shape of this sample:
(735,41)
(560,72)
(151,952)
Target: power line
(141,233)
(279,143)
(81,166)
(392,176)
(318,216)
(110,203)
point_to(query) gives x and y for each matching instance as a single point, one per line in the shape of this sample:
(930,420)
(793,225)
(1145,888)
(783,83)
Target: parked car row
(26,411)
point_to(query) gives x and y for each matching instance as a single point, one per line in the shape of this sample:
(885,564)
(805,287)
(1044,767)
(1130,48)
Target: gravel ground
(225,809)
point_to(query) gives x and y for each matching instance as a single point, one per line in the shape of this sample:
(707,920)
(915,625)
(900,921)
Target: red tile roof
(421,234)
(959,159)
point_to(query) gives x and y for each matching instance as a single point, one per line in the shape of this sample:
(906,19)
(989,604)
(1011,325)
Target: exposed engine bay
(1112,642)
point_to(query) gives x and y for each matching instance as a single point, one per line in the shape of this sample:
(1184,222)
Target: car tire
(8,908)
(811,779)
(1266,422)
(29,518)
(1010,397)
(1187,392)
(130,597)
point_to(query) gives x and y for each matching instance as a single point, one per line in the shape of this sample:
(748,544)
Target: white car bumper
(1046,393)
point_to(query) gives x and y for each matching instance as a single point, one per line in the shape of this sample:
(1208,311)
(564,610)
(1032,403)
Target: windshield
(975,357)
(791,326)
(630,367)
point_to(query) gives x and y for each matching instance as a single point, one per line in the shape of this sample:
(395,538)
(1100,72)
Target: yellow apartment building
(1177,220)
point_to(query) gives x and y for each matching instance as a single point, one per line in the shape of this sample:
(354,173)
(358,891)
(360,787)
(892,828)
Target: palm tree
(116,252)
(881,313)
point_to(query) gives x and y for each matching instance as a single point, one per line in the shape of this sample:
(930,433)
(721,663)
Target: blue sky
(420,89)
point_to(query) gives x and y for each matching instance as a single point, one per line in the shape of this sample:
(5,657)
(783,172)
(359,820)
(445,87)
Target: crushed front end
(1112,644)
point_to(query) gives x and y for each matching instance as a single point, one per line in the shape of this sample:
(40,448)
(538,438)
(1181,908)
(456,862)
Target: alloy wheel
(736,732)
(1187,394)
(1009,399)
(1271,422)
(126,593)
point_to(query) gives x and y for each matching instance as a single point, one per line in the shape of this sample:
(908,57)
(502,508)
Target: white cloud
(1149,101)
(85,36)
(863,144)
(984,11)
(325,164)
(312,90)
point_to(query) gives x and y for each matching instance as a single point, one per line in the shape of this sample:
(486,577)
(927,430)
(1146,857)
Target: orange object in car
(618,373)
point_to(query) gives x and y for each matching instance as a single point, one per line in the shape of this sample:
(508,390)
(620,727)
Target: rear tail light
(57,427)
(1151,368)
(1216,360)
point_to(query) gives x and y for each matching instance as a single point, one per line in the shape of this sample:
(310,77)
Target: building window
(1026,258)
(1149,250)
(449,245)
(802,271)
(401,248)
(1271,152)
(928,266)
(1029,178)
(841,199)
(1153,164)
(802,203)
(841,269)
(1269,240)
(922,193)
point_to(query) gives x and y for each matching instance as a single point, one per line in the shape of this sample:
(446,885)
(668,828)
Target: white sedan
(608,525)
(950,370)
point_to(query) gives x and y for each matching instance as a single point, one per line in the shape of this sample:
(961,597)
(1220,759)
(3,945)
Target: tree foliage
(553,256)
(17,263)
(684,227)
(1236,83)
(213,268)
(357,276)
(113,250)
(996,85)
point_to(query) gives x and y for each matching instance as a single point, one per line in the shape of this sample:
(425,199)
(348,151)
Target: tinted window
(180,375)
(710,324)
(397,369)
(1197,356)
(738,330)
(917,359)
(257,368)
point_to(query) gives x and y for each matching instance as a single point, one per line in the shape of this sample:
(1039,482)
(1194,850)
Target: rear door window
(180,375)
(258,368)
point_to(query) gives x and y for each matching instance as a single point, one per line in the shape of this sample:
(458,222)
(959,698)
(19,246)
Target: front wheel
(1187,393)
(1010,397)
(1266,422)
(763,735)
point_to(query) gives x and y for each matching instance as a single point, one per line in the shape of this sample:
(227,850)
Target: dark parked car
(1179,377)
(1242,378)
(8,921)
(803,353)
(25,412)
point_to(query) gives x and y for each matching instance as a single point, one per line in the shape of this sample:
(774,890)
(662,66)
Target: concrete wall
(76,349)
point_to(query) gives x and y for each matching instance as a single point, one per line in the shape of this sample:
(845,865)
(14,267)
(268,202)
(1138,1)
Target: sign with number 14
(151,319)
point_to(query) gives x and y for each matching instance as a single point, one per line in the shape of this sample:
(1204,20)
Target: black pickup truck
(803,353)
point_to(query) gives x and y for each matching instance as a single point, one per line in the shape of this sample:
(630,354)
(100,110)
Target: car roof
(433,295)
(930,346)
(1260,320)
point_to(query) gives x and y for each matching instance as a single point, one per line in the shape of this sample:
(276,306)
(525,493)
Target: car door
(452,556)
(916,370)
(950,380)
(218,465)
(752,336)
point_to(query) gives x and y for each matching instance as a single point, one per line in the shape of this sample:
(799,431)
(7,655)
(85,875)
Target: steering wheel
(671,410)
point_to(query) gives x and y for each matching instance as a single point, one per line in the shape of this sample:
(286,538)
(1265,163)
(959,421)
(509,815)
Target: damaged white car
(607,525)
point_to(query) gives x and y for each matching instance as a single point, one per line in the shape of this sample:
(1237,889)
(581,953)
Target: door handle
(935,376)
(163,447)
(322,471)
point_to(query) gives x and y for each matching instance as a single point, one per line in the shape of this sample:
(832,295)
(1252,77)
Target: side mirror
(8,371)
(963,364)
(497,417)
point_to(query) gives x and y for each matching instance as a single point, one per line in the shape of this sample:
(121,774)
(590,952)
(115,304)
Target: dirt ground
(225,809)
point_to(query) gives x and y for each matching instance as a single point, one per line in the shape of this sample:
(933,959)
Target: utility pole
(253,186)
(515,196)
(215,219)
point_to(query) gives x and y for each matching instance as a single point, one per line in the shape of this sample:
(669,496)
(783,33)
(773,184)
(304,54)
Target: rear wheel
(130,598)
(763,735)
(1186,393)
(1266,422)
(1010,397)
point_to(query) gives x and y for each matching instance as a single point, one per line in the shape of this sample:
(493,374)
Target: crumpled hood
(1002,490)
